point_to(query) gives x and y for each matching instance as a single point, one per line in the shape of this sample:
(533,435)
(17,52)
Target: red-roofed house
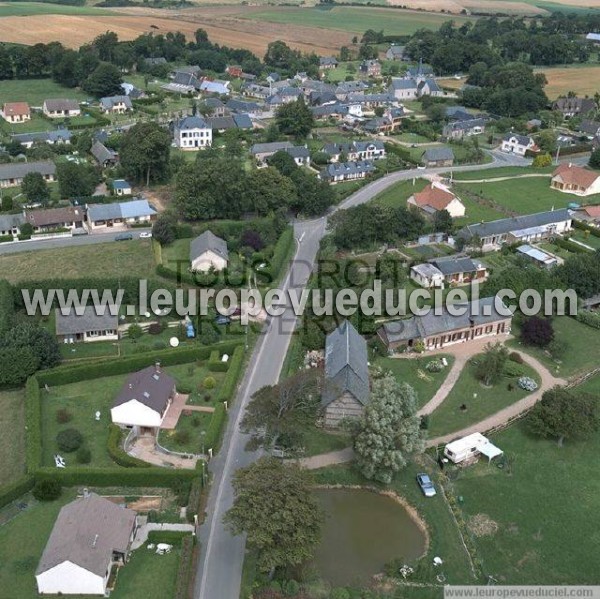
(16,112)
(436,197)
(569,178)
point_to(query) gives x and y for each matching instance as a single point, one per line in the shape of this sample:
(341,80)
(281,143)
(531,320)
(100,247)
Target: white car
(145,235)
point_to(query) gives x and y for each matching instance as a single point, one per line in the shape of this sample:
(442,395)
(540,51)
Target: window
(488,329)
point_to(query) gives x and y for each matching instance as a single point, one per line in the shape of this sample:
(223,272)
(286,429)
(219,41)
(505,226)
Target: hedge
(14,490)
(7,305)
(6,238)
(566,244)
(173,537)
(184,571)
(117,453)
(170,357)
(281,253)
(592,230)
(193,505)
(589,318)
(33,420)
(229,385)
(212,439)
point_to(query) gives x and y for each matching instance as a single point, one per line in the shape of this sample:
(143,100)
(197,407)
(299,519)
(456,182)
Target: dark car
(123,236)
(426,485)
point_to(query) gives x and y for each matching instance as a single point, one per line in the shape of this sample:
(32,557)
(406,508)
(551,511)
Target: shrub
(184,389)
(209,382)
(515,357)
(63,416)
(512,369)
(229,385)
(69,440)
(181,437)
(527,383)
(434,366)
(155,328)
(84,455)
(589,318)
(47,489)
(537,331)
(213,433)
(159,345)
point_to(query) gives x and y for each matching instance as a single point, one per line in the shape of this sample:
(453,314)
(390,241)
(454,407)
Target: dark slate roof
(466,125)
(101,153)
(363,146)
(208,241)
(11,221)
(86,533)
(422,69)
(403,84)
(396,50)
(298,152)
(48,136)
(214,103)
(72,323)
(347,168)
(109,101)
(242,106)
(419,327)
(431,83)
(327,60)
(17,170)
(589,126)
(118,210)
(243,121)
(221,122)
(187,79)
(151,386)
(437,154)
(54,105)
(329,109)
(346,365)
(274,146)
(523,140)
(455,265)
(376,123)
(192,122)
(505,225)
(155,61)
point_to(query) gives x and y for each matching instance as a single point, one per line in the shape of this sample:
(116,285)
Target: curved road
(222,555)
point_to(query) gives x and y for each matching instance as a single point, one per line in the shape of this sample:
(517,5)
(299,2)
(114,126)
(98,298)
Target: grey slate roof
(54,105)
(17,170)
(57,135)
(420,327)
(192,122)
(455,265)
(327,60)
(505,225)
(347,168)
(405,84)
(523,140)
(346,365)
(298,152)
(101,153)
(71,324)
(109,101)
(11,221)
(329,109)
(151,386)
(274,146)
(86,533)
(208,241)
(132,209)
(438,154)
(242,106)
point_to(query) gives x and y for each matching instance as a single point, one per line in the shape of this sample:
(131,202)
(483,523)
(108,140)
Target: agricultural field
(133,258)
(12,436)
(397,194)
(583,80)
(25,9)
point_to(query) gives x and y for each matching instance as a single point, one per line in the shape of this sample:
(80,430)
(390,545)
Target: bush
(512,369)
(434,366)
(155,328)
(589,318)
(229,385)
(84,455)
(209,382)
(63,416)
(212,438)
(69,440)
(537,331)
(47,489)
(184,389)
(181,437)
(515,357)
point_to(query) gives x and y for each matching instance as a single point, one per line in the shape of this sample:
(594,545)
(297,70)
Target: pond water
(362,532)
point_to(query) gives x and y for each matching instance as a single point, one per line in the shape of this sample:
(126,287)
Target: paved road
(221,560)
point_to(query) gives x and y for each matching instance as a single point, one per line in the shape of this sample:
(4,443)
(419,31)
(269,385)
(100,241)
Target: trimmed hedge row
(184,572)
(33,420)
(227,390)
(589,318)
(566,244)
(118,454)
(281,252)
(13,491)
(582,226)
(83,372)
(212,439)
(7,305)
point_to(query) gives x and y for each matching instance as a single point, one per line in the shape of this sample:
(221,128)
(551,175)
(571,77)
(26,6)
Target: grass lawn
(448,417)
(583,347)
(546,509)
(188,435)
(36,124)
(35,91)
(192,376)
(590,240)
(12,438)
(475,212)
(129,258)
(318,440)
(412,371)
(412,138)
(354,19)
(501,171)
(397,194)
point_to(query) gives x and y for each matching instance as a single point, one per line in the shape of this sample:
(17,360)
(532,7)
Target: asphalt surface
(222,554)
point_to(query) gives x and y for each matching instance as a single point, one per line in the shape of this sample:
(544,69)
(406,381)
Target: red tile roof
(434,196)
(16,109)
(575,175)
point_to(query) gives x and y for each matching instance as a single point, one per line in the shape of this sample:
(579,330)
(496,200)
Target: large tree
(565,414)
(295,118)
(104,80)
(389,431)
(144,152)
(490,365)
(76,180)
(275,507)
(537,331)
(35,188)
(266,190)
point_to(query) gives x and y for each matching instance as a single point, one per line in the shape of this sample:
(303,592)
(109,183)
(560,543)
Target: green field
(397,194)
(481,401)
(356,19)
(127,258)
(25,9)
(12,436)
(545,506)
(35,91)
(501,171)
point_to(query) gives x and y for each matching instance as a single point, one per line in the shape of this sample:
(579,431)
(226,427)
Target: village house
(356,150)
(437,157)
(260,152)
(192,133)
(115,104)
(487,317)
(377,125)
(337,172)
(570,107)
(300,154)
(51,219)
(144,400)
(60,109)
(464,128)
(370,68)
(90,537)
(216,86)
(121,187)
(58,136)
(519,229)
(588,214)
(327,62)
(537,256)
(12,173)
(104,156)
(395,53)
(216,107)
(10,224)
(346,386)
(119,215)
(452,270)
(16,112)
(88,326)
(513,143)
(590,128)
(436,197)
(208,252)
(234,70)
(224,123)
(404,89)
(577,180)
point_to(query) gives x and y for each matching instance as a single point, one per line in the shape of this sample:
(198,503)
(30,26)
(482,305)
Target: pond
(362,532)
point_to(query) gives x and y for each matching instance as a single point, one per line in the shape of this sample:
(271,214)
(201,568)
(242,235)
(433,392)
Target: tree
(47,489)
(547,141)
(145,151)
(442,221)
(537,331)
(389,431)
(104,80)
(134,332)
(594,161)
(76,180)
(16,365)
(35,188)
(542,160)
(295,118)
(274,505)
(164,229)
(490,366)
(565,414)
(266,189)
(28,334)
(280,414)
(69,440)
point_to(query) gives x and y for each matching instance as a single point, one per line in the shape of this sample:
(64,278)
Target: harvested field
(582,80)
(457,6)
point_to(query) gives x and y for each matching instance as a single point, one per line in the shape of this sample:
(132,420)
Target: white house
(192,133)
(119,215)
(577,180)
(471,446)
(59,109)
(91,534)
(16,112)
(87,326)
(144,400)
(121,187)
(115,104)
(517,144)
(208,252)
(436,197)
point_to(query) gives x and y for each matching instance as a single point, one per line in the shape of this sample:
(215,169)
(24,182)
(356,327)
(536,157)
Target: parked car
(145,235)
(426,485)
(123,236)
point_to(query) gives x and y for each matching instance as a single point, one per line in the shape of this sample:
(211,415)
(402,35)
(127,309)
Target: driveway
(144,448)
